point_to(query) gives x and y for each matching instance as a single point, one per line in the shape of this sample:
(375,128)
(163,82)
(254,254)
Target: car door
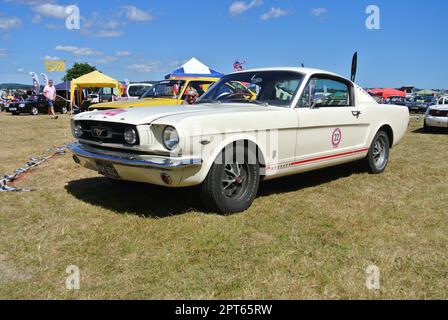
(331,126)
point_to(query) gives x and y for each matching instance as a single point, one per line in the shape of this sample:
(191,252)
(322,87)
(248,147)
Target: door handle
(356,113)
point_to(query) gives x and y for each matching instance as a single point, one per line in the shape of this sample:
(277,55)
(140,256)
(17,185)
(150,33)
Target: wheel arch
(390,133)
(248,141)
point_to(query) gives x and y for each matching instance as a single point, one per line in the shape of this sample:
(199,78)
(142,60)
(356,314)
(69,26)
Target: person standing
(50,94)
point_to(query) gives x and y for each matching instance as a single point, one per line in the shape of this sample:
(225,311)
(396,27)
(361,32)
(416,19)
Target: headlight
(170,138)
(77,131)
(130,136)
(22,105)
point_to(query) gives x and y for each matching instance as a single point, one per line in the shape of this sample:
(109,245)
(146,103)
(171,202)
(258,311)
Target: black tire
(378,156)
(34,111)
(426,128)
(236,196)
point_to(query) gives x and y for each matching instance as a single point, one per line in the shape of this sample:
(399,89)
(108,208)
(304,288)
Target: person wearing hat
(191,97)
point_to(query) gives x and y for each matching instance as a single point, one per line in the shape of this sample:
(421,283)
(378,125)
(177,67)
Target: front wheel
(378,156)
(34,111)
(231,184)
(426,128)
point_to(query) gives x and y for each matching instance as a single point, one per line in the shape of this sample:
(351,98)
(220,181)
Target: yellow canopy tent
(94,79)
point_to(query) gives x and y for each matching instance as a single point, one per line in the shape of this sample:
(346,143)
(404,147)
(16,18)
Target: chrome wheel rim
(234,180)
(34,111)
(380,152)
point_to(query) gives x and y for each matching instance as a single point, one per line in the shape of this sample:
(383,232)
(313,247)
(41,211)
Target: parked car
(443,100)
(166,92)
(228,141)
(36,104)
(436,116)
(421,103)
(396,100)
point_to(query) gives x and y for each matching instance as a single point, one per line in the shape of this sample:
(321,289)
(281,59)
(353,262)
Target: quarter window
(325,93)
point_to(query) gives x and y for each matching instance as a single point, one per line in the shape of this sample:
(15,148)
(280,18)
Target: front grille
(438,113)
(109,132)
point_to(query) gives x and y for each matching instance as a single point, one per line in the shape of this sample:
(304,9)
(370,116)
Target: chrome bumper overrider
(84,151)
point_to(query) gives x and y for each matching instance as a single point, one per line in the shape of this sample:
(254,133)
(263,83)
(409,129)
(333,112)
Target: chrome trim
(84,151)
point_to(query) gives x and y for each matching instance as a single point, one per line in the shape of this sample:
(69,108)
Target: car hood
(442,107)
(146,102)
(146,115)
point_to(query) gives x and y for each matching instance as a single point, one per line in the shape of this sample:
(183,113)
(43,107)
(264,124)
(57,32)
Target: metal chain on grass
(31,164)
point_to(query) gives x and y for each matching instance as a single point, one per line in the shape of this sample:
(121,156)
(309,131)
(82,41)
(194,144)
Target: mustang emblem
(99,132)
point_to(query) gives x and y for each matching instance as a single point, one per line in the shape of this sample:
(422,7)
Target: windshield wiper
(260,103)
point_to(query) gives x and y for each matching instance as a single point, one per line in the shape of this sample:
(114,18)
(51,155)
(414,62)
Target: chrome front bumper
(84,151)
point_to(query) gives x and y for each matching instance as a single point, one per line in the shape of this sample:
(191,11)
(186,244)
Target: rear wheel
(34,111)
(231,184)
(64,110)
(378,156)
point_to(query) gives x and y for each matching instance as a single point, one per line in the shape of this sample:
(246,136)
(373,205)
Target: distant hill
(15,86)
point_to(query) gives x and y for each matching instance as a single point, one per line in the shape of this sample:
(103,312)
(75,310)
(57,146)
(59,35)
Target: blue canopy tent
(194,68)
(63,86)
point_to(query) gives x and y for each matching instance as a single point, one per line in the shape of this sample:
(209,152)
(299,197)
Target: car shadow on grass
(441,131)
(158,202)
(135,198)
(309,179)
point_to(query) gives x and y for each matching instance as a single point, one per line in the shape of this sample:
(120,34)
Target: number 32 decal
(336,137)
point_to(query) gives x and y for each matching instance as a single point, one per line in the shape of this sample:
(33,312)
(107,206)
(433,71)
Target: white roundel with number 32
(336,137)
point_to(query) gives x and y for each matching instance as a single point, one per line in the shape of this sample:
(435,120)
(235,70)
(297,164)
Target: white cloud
(30,2)
(110,24)
(48,57)
(77,51)
(106,60)
(122,53)
(20,70)
(274,13)
(145,67)
(238,7)
(318,12)
(108,34)
(37,19)
(3,53)
(7,23)
(137,15)
(51,10)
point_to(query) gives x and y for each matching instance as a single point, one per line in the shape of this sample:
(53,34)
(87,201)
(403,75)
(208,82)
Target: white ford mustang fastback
(250,125)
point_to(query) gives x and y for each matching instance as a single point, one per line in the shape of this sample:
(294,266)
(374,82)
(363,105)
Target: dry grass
(305,237)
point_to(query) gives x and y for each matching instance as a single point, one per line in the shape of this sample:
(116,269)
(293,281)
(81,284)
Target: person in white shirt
(50,94)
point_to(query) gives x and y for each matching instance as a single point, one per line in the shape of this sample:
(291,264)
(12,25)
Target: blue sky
(143,40)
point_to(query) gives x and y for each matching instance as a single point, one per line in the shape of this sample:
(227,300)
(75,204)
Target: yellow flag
(54,65)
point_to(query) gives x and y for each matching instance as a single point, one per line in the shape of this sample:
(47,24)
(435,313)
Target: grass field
(308,236)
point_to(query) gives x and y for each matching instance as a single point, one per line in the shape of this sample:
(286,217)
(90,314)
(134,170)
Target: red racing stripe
(297,163)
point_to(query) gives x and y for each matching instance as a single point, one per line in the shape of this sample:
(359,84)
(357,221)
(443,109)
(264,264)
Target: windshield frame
(228,78)
(164,82)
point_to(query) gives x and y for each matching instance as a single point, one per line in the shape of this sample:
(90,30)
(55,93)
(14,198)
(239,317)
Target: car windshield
(165,89)
(276,88)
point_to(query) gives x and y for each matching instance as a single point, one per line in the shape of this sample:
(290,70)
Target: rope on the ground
(31,164)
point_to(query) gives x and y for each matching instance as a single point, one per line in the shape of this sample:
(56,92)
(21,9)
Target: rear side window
(137,91)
